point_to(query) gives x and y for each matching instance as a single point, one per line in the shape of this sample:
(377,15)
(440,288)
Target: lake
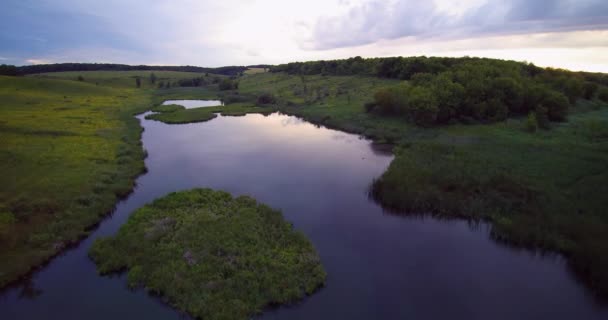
(379,265)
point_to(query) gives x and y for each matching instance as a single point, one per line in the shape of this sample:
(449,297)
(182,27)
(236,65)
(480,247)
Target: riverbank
(540,190)
(69,151)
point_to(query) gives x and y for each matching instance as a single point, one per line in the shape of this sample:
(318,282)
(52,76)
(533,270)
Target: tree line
(8,70)
(61,67)
(445,90)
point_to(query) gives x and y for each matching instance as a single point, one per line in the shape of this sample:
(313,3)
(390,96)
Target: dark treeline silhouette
(444,90)
(60,67)
(8,70)
(265,66)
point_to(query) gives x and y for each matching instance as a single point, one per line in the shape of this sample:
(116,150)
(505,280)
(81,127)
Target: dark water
(380,266)
(189,104)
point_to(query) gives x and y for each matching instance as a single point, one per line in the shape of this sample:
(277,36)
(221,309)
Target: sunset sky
(570,34)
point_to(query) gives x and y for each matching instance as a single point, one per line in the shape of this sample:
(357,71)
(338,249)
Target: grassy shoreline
(65,171)
(539,190)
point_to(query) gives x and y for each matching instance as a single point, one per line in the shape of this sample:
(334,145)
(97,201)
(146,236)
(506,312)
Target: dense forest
(8,70)
(469,90)
(61,67)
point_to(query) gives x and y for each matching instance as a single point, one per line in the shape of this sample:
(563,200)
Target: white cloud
(240,32)
(380,19)
(38,61)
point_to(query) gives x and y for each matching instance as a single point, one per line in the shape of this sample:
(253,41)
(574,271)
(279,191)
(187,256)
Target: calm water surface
(190,104)
(379,266)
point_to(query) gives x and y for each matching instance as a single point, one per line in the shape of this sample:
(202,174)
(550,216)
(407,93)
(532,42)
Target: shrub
(603,94)
(589,90)
(531,122)
(369,106)
(557,106)
(496,110)
(266,98)
(391,100)
(542,118)
(228,84)
(422,106)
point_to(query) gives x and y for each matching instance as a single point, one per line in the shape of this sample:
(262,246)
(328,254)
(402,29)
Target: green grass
(336,102)
(252,71)
(542,190)
(211,255)
(68,151)
(167,108)
(122,79)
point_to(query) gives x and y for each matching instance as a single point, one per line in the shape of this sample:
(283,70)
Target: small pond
(191,104)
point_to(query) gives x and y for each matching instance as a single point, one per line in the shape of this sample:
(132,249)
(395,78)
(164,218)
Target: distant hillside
(62,67)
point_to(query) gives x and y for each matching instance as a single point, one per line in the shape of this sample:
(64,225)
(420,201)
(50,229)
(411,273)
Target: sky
(571,34)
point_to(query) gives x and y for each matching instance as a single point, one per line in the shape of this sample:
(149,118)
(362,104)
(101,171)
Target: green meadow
(120,79)
(542,189)
(68,151)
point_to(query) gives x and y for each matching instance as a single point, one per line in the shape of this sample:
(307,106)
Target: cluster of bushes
(484,91)
(266,98)
(235,97)
(228,84)
(192,82)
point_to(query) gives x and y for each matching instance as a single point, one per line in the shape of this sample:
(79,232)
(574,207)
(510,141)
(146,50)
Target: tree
(603,94)
(138,82)
(152,78)
(557,106)
(509,92)
(266,98)
(422,106)
(541,114)
(589,90)
(531,123)
(573,88)
(391,100)
(450,96)
(228,84)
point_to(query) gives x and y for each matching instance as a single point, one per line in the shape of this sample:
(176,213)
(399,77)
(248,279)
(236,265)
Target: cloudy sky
(570,34)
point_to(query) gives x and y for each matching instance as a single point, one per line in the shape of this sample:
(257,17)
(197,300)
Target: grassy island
(212,255)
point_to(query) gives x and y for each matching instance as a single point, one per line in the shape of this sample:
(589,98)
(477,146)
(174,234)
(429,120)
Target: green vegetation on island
(167,108)
(203,114)
(212,255)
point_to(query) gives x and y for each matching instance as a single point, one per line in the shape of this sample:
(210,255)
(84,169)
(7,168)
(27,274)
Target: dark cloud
(31,28)
(380,19)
